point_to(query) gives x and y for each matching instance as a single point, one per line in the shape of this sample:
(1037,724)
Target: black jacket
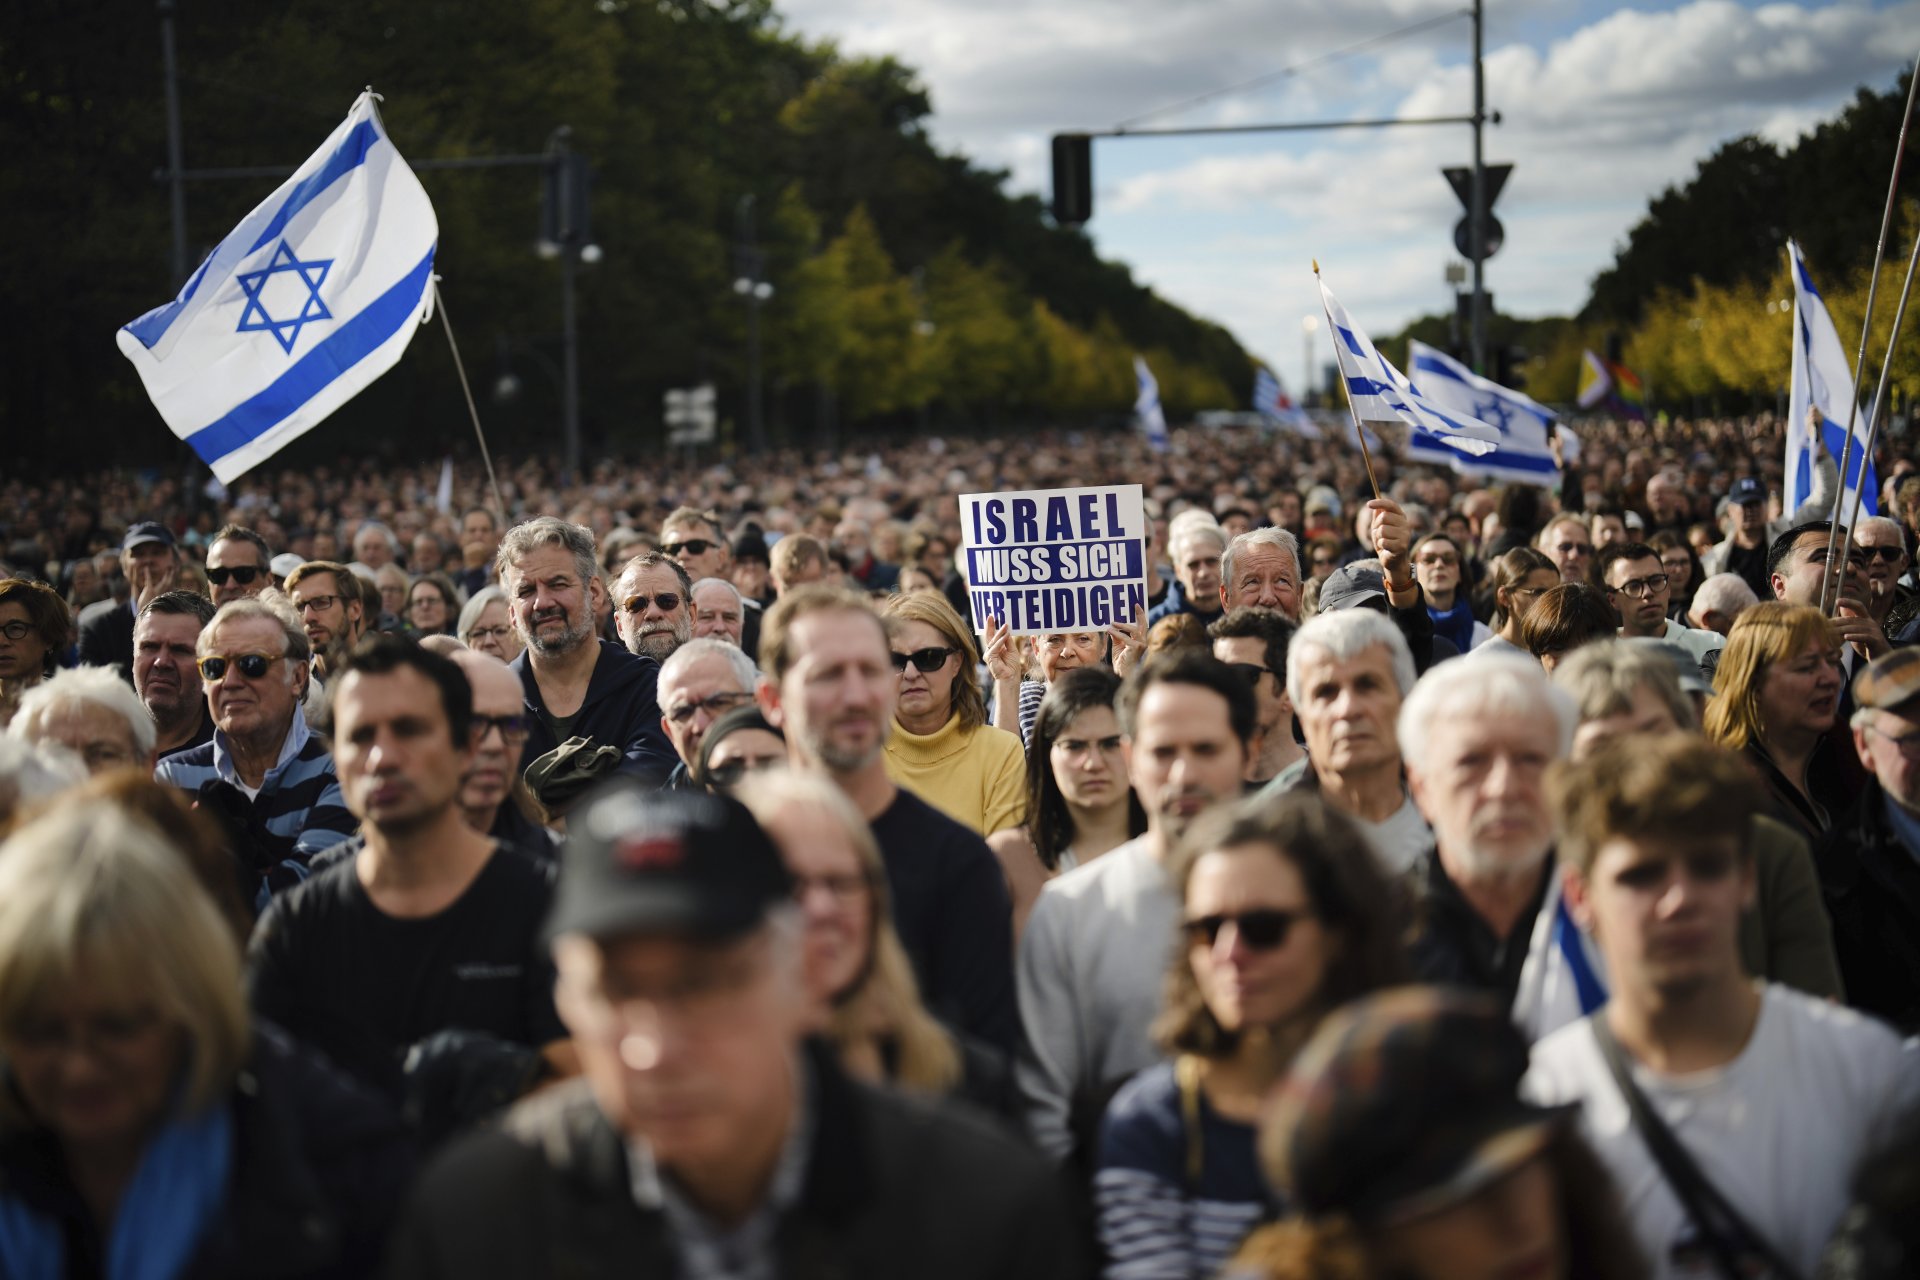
(1452,944)
(106,636)
(1871,883)
(319,1168)
(621,710)
(894,1187)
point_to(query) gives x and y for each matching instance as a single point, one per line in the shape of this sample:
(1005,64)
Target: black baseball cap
(144,532)
(1746,490)
(1353,588)
(642,861)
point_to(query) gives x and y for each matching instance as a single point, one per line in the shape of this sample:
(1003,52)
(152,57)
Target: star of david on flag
(311,274)
(1525,425)
(310,298)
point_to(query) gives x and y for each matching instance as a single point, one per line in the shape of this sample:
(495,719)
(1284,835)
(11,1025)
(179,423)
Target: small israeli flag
(1146,407)
(314,295)
(1525,425)
(1380,393)
(1823,379)
(1270,401)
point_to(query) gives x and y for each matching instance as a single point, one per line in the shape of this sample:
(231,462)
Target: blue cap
(144,532)
(1747,490)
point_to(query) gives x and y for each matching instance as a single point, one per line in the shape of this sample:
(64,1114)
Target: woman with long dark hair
(1079,802)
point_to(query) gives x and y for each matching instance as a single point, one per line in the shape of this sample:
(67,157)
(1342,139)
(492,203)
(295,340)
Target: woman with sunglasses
(1438,563)
(866,1003)
(735,745)
(432,605)
(942,748)
(1280,924)
(149,1127)
(1079,802)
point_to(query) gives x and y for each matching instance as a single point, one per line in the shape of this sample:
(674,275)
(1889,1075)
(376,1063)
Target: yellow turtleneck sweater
(978,779)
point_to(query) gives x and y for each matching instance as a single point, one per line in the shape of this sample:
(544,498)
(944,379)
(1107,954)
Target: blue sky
(1604,106)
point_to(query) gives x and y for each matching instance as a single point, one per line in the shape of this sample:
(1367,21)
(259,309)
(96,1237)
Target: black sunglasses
(243,574)
(668,601)
(252,665)
(692,547)
(1890,554)
(926,661)
(1262,930)
(512,728)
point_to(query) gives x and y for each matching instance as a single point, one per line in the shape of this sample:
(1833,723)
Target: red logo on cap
(641,853)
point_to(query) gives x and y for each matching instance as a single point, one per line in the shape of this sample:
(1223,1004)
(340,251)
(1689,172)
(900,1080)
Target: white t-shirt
(1779,1130)
(1402,839)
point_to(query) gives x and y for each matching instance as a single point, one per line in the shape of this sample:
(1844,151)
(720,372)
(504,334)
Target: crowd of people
(655,872)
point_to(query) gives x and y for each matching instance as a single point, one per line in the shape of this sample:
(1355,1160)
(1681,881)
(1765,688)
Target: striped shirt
(1156,1221)
(297,812)
(1032,692)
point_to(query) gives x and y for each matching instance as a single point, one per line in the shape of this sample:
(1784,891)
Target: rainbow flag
(1604,383)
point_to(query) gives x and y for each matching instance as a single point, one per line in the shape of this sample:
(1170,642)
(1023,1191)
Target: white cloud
(1602,108)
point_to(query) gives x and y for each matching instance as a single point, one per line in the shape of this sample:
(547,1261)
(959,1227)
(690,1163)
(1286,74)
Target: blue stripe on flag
(311,374)
(151,327)
(349,155)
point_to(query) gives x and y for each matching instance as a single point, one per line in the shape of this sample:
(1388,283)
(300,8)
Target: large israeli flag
(1380,393)
(314,295)
(1525,425)
(1823,379)
(1147,414)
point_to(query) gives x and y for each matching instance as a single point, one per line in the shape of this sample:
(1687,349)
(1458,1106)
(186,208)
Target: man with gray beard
(653,605)
(1477,739)
(577,686)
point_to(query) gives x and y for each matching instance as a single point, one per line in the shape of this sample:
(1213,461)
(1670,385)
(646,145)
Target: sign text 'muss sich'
(1065,564)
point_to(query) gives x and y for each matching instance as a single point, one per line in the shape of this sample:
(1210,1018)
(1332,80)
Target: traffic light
(1072,178)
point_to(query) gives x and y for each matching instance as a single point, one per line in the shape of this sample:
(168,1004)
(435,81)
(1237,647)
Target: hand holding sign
(1129,644)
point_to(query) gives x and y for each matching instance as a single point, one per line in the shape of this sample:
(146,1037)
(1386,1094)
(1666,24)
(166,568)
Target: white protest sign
(1051,560)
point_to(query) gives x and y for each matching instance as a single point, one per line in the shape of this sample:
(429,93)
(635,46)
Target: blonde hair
(98,891)
(886,994)
(1767,633)
(968,703)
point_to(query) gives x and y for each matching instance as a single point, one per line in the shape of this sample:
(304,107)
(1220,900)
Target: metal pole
(176,188)
(756,433)
(1880,392)
(1477,216)
(570,346)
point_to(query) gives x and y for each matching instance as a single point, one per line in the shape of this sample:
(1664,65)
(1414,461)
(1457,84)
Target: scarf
(1456,624)
(174,1196)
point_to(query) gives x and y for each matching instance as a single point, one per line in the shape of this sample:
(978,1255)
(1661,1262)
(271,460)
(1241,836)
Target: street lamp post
(749,284)
(565,234)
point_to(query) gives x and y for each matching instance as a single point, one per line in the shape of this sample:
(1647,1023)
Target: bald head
(496,690)
(499,732)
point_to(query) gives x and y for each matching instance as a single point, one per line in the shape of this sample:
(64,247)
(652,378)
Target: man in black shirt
(1745,550)
(831,686)
(417,964)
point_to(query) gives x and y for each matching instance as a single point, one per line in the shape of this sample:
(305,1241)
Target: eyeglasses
(251,665)
(512,728)
(489,633)
(319,604)
(1568,548)
(925,661)
(1892,555)
(1908,743)
(666,602)
(1529,592)
(1263,930)
(243,574)
(16,630)
(729,773)
(1649,585)
(691,547)
(1448,560)
(843,888)
(1252,671)
(713,702)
